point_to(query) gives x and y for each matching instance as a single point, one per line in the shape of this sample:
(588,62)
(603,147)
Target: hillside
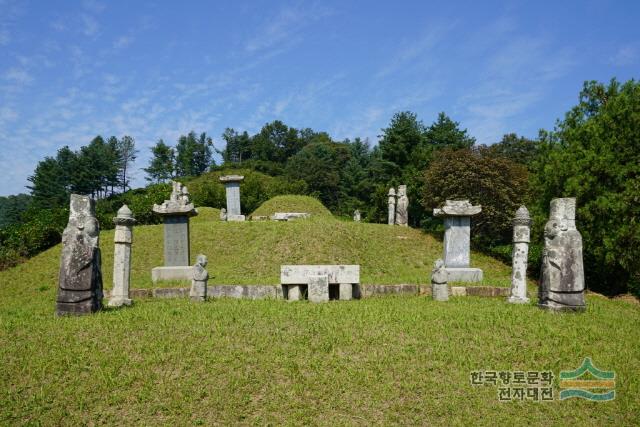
(251,252)
(289,203)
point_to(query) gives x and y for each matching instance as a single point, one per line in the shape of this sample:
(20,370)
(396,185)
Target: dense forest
(593,154)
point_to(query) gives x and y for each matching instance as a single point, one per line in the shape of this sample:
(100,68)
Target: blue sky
(158,69)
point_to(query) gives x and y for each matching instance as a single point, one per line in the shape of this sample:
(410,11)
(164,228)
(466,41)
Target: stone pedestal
(457,239)
(345,291)
(122,257)
(80,278)
(176,213)
(232,188)
(562,277)
(519,256)
(318,290)
(294,293)
(392,206)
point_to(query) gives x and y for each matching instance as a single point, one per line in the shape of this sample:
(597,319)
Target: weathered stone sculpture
(519,255)
(356,215)
(199,282)
(122,257)
(457,239)
(402,207)
(562,278)
(80,279)
(232,188)
(176,213)
(439,279)
(223,214)
(392,206)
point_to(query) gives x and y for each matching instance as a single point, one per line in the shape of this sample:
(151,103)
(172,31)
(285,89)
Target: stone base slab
(119,302)
(237,218)
(171,273)
(464,274)
(516,300)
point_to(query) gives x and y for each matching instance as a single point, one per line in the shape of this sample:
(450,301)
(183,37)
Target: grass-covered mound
(252,252)
(291,203)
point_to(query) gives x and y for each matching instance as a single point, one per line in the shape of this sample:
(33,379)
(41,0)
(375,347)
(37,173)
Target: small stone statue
(199,282)
(562,278)
(439,279)
(356,215)
(392,206)
(402,207)
(223,214)
(80,279)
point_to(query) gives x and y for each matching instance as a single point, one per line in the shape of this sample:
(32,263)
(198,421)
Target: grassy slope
(377,361)
(292,204)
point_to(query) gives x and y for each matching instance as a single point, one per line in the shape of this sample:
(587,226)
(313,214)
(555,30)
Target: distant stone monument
(199,281)
(392,206)
(176,213)
(439,285)
(562,278)
(232,188)
(122,257)
(223,214)
(356,215)
(402,207)
(80,278)
(457,239)
(519,255)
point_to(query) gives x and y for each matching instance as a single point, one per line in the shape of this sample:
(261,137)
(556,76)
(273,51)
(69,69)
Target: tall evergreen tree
(193,154)
(162,164)
(127,154)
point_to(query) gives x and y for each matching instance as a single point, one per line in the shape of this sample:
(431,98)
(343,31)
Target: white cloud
(283,30)
(122,42)
(90,26)
(625,55)
(18,76)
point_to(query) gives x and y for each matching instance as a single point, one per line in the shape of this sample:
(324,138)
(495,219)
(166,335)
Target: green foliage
(494,182)
(162,164)
(207,190)
(193,154)
(517,148)
(594,155)
(12,208)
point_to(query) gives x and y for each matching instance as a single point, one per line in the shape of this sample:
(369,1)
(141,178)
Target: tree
(517,148)
(238,147)
(496,183)
(127,153)
(193,154)
(12,208)
(399,140)
(47,187)
(594,155)
(162,164)
(445,132)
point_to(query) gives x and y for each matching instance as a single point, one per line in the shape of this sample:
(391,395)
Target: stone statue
(439,279)
(402,207)
(562,278)
(356,215)
(392,206)
(80,279)
(223,214)
(199,282)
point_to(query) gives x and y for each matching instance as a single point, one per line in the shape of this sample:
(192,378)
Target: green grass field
(387,360)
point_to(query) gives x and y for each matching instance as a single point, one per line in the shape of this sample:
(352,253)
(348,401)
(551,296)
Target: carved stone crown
(522,216)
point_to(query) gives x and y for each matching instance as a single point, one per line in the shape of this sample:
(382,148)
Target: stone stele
(402,207)
(175,213)
(80,279)
(519,255)
(318,288)
(199,282)
(356,215)
(439,285)
(457,239)
(232,188)
(122,257)
(562,277)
